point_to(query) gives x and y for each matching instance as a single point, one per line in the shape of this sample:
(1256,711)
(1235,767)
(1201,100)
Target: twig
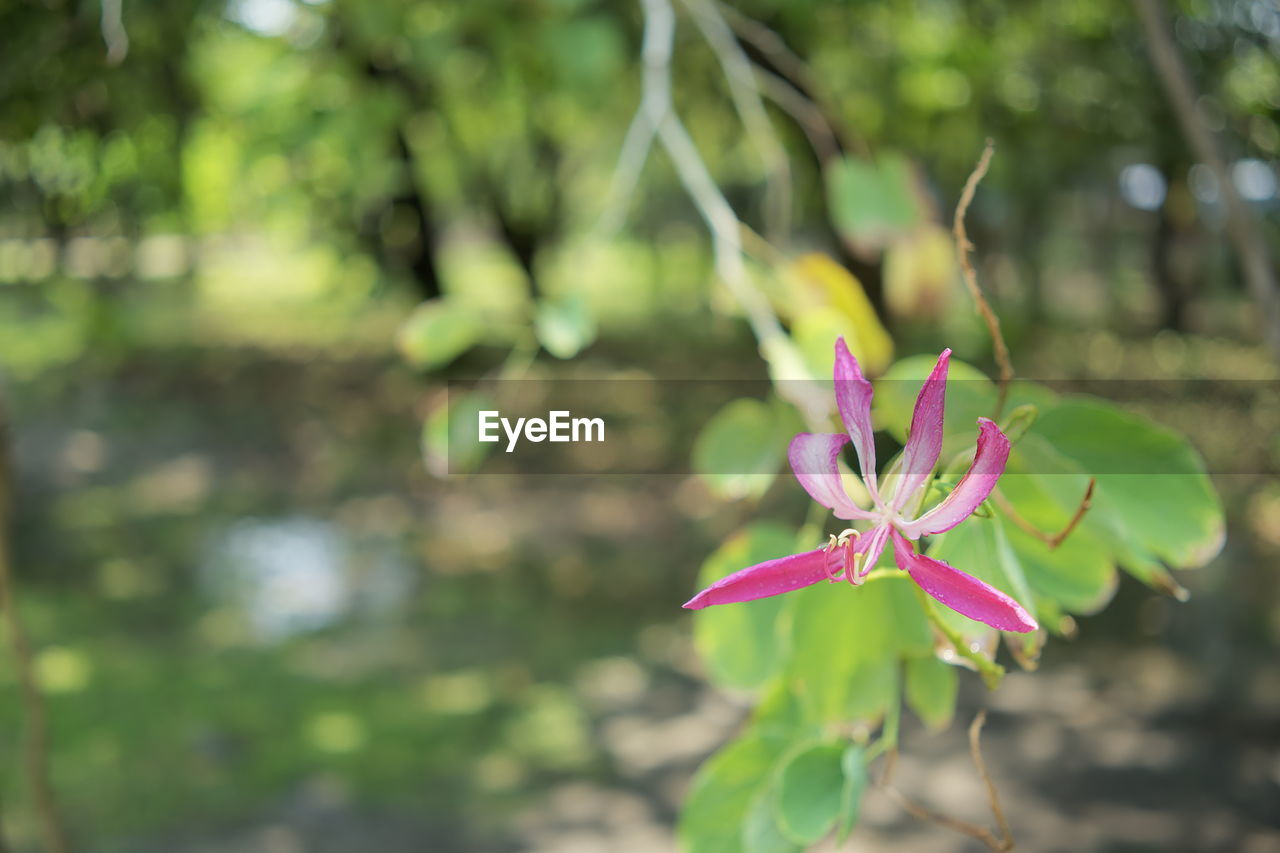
(804,112)
(746,99)
(993,796)
(758,247)
(777,348)
(1001,844)
(114,35)
(773,47)
(655,100)
(1241,224)
(972,830)
(963,247)
(36,742)
(1051,540)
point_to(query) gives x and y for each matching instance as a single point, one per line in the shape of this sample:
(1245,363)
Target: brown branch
(963,247)
(36,742)
(1051,540)
(919,812)
(993,796)
(1241,224)
(1001,844)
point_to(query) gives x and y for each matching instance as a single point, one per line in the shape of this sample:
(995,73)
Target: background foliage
(237,258)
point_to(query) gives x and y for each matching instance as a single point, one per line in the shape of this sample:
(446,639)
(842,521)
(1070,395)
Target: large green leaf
(740,449)
(1045,489)
(723,794)
(760,830)
(1152,487)
(845,641)
(740,643)
(873,202)
(810,788)
(931,690)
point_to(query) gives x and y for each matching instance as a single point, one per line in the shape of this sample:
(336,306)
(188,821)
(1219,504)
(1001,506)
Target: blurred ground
(263,628)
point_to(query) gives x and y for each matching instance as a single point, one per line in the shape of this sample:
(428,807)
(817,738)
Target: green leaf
(873,202)
(1045,489)
(450,436)
(740,643)
(931,691)
(436,332)
(844,644)
(564,326)
(740,449)
(760,831)
(723,793)
(1152,484)
(810,787)
(854,766)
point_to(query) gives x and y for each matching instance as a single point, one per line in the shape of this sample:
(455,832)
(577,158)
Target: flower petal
(773,577)
(973,488)
(963,593)
(924,442)
(853,398)
(813,460)
(871,546)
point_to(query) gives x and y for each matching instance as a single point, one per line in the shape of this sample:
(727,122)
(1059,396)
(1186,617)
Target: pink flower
(854,553)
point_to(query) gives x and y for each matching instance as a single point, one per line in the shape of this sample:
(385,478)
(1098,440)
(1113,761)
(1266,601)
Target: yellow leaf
(848,312)
(920,274)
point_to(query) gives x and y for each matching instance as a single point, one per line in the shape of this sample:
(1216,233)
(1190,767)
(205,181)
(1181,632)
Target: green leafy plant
(1082,490)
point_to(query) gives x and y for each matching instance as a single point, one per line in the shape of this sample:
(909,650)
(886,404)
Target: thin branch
(1001,844)
(654,103)
(36,742)
(114,35)
(778,349)
(774,48)
(1241,224)
(746,99)
(806,114)
(758,247)
(993,796)
(919,812)
(963,248)
(1051,540)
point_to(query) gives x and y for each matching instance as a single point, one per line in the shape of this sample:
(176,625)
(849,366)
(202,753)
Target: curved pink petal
(973,488)
(853,398)
(924,442)
(963,593)
(770,578)
(813,460)
(871,546)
